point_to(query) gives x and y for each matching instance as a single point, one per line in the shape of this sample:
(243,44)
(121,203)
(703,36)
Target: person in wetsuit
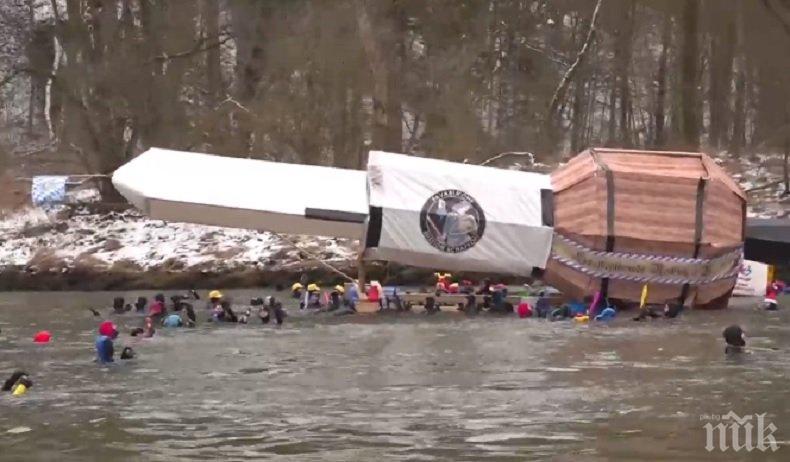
(276,308)
(229,315)
(543,305)
(335,298)
(118,305)
(735,339)
(470,307)
(263,311)
(140,304)
(563,312)
(179,304)
(485,291)
(18,383)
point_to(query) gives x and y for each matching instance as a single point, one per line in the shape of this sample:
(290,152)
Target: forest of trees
(323,81)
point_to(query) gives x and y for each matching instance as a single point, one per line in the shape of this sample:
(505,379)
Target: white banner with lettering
(752,279)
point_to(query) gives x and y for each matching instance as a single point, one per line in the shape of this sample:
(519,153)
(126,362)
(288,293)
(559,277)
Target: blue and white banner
(47,190)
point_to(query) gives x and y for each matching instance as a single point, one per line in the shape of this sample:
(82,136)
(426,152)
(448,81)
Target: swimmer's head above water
(735,339)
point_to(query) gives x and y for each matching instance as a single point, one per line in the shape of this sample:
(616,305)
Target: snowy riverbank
(116,249)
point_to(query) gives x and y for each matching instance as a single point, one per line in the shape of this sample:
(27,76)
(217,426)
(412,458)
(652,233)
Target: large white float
(416,211)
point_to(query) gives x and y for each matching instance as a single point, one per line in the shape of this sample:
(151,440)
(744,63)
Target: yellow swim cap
(20,390)
(215,294)
(296,286)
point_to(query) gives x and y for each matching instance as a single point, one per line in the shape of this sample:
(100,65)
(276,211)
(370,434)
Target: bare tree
(689,75)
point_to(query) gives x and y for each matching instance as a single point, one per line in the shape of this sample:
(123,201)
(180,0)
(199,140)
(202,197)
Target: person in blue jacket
(105,350)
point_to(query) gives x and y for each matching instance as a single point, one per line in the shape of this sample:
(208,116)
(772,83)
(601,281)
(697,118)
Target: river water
(401,388)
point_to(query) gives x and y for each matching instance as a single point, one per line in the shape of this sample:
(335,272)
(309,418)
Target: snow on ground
(131,239)
(758,170)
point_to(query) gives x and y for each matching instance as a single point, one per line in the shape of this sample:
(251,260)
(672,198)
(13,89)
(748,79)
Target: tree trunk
(786,163)
(738,140)
(213,67)
(786,166)
(383,49)
(579,97)
(689,71)
(250,22)
(722,45)
(659,117)
(577,122)
(612,110)
(624,41)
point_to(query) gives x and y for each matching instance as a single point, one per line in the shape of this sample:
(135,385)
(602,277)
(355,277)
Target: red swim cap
(42,337)
(107,328)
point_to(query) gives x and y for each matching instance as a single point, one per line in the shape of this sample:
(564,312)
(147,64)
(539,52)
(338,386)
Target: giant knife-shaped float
(609,220)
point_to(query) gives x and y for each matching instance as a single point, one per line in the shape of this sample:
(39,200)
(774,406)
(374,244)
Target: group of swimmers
(218,307)
(340,300)
(158,313)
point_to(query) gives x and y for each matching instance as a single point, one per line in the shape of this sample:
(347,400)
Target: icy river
(400,388)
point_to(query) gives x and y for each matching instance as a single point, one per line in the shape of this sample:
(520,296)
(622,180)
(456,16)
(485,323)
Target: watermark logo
(736,433)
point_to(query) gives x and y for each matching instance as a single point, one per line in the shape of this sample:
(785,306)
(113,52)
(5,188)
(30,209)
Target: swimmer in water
(297,290)
(140,304)
(157,309)
(335,298)
(263,310)
(127,353)
(179,304)
(173,320)
(118,305)
(735,339)
(18,383)
(105,349)
(148,328)
(136,331)
(229,315)
(214,301)
(276,308)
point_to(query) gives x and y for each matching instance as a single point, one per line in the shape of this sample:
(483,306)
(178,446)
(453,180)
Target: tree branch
(502,155)
(199,47)
(783,20)
(765,186)
(9,77)
(559,94)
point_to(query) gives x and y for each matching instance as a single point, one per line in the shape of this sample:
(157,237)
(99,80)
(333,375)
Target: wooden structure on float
(623,219)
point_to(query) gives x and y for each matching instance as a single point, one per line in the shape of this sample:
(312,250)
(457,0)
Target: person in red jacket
(771,293)
(157,309)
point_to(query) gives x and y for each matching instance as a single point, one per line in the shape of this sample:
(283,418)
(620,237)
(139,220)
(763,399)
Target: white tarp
(245,193)
(752,279)
(450,216)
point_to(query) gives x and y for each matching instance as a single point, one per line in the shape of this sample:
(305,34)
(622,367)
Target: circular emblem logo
(452,221)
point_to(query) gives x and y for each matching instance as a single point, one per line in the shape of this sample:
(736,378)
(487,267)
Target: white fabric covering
(513,239)
(752,279)
(244,193)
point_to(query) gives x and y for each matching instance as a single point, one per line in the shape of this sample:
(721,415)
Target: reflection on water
(390,388)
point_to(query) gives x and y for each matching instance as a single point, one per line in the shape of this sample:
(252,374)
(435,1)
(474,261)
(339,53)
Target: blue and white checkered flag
(48,189)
